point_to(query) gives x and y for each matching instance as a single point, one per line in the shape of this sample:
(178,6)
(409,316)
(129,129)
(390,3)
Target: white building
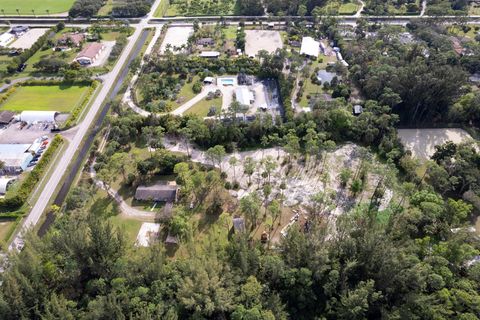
(15,157)
(37,116)
(5,183)
(210,54)
(6,38)
(310,47)
(244,95)
(90,53)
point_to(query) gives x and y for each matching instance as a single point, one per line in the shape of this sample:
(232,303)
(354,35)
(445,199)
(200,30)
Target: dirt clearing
(422,142)
(257,40)
(176,37)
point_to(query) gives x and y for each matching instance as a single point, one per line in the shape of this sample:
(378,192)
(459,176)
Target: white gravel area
(27,40)
(103,58)
(422,142)
(257,40)
(148,233)
(176,37)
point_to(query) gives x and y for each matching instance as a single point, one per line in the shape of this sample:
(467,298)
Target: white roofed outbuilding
(310,47)
(5,183)
(37,116)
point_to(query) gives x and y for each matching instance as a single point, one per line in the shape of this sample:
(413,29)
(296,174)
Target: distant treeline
(89,8)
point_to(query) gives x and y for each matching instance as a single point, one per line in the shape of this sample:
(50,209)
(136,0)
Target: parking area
(175,38)
(27,40)
(257,40)
(103,58)
(20,133)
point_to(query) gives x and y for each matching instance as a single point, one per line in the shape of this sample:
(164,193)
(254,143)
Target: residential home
(90,53)
(229,48)
(75,39)
(158,192)
(205,42)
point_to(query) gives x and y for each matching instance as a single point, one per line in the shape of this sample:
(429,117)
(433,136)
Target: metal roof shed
(310,47)
(37,116)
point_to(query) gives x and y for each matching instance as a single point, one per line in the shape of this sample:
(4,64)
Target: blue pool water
(227,82)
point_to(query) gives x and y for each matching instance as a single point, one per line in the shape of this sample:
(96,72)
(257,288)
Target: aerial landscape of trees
(414,256)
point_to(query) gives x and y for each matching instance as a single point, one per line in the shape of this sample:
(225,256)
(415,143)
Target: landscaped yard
(201,109)
(62,98)
(128,226)
(40,7)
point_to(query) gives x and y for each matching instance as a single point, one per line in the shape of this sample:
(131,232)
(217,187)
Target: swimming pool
(227,81)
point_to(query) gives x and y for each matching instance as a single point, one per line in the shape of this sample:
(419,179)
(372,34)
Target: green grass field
(201,109)
(9,7)
(55,98)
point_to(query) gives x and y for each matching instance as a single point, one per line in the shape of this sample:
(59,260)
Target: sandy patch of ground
(148,233)
(176,37)
(27,40)
(257,40)
(422,142)
(103,58)
(301,178)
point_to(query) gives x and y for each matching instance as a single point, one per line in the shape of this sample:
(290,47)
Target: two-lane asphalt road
(61,168)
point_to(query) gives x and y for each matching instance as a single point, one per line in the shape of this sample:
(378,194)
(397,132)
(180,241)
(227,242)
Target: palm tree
(33,11)
(18,11)
(48,12)
(3,11)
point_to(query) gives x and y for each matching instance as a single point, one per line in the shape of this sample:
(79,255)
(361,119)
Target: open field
(201,109)
(61,98)
(257,40)
(422,142)
(176,37)
(128,226)
(40,7)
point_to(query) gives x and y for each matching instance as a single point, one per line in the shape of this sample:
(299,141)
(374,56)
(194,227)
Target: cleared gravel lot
(176,37)
(27,40)
(422,142)
(257,40)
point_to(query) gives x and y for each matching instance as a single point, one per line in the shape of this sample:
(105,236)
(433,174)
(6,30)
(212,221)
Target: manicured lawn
(129,227)
(50,98)
(201,109)
(230,32)
(25,7)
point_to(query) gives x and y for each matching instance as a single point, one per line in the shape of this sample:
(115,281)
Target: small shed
(210,54)
(6,116)
(157,192)
(171,240)
(357,109)
(209,80)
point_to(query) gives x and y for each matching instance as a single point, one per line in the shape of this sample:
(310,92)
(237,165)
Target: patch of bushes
(78,109)
(15,201)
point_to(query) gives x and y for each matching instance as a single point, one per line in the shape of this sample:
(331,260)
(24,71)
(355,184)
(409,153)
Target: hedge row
(14,201)
(7,94)
(72,119)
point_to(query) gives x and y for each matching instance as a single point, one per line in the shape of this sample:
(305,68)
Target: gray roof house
(157,192)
